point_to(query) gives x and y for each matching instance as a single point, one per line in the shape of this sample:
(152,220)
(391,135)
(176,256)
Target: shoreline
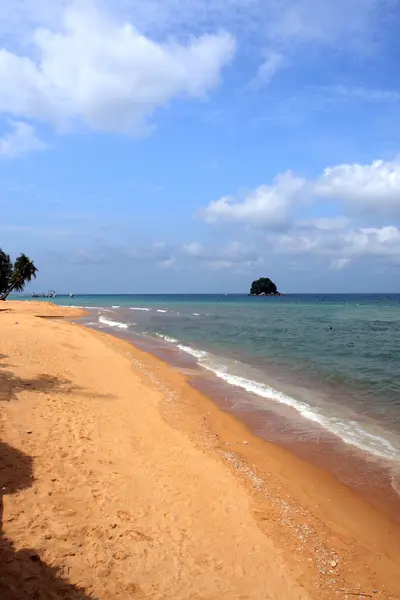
(323,539)
(368,475)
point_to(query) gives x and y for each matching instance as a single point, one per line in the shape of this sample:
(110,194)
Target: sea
(316,373)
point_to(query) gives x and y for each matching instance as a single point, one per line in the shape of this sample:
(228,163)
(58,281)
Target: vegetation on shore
(14,276)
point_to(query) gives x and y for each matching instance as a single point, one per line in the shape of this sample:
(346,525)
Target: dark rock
(264,287)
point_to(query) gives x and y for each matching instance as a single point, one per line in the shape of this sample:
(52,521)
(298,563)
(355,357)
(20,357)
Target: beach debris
(358,593)
(245,443)
(333,563)
(29,431)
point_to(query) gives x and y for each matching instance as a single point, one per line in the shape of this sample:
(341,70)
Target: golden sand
(120,481)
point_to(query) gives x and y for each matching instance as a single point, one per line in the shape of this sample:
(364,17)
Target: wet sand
(369,476)
(122,481)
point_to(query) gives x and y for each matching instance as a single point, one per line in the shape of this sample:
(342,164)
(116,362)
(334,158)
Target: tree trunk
(5,295)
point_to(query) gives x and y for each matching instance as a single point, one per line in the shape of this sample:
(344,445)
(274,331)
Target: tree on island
(14,277)
(263,287)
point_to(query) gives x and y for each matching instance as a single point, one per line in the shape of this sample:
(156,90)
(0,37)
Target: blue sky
(148,147)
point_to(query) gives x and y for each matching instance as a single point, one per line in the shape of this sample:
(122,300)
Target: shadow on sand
(23,574)
(11,384)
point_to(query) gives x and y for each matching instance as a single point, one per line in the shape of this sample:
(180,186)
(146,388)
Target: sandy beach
(119,480)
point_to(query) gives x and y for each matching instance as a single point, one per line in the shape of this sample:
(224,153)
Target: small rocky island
(264,287)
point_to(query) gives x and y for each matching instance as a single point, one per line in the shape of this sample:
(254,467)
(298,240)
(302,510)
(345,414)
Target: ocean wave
(161,311)
(110,323)
(167,338)
(193,352)
(70,306)
(139,308)
(349,431)
(77,306)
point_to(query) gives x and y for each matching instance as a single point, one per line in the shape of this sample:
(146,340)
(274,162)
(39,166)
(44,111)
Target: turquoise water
(330,359)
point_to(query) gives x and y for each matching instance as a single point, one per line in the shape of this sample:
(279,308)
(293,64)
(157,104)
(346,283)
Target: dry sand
(120,481)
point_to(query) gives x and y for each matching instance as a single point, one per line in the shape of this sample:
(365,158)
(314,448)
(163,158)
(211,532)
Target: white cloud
(167,264)
(231,256)
(271,63)
(356,24)
(159,245)
(285,27)
(20,140)
(326,223)
(340,248)
(266,206)
(366,189)
(303,20)
(106,74)
(339,263)
(359,194)
(334,93)
(194,249)
(383,241)
(334,248)
(373,187)
(281,26)
(221,264)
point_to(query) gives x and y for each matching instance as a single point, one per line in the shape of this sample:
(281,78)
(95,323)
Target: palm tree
(20,274)
(6,270)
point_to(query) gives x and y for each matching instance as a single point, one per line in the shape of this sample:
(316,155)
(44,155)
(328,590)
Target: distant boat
(50,294)
(71,295)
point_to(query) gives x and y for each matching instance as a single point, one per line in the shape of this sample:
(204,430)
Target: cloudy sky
(194,145)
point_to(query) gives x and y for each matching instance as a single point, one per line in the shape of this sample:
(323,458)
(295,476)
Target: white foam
(196,314)
(161,311)
(167,338)
(79,306)
(115,307)
(70,306)
(138,308)
(395,480)
(349,431)
(113,323)
(193,352)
